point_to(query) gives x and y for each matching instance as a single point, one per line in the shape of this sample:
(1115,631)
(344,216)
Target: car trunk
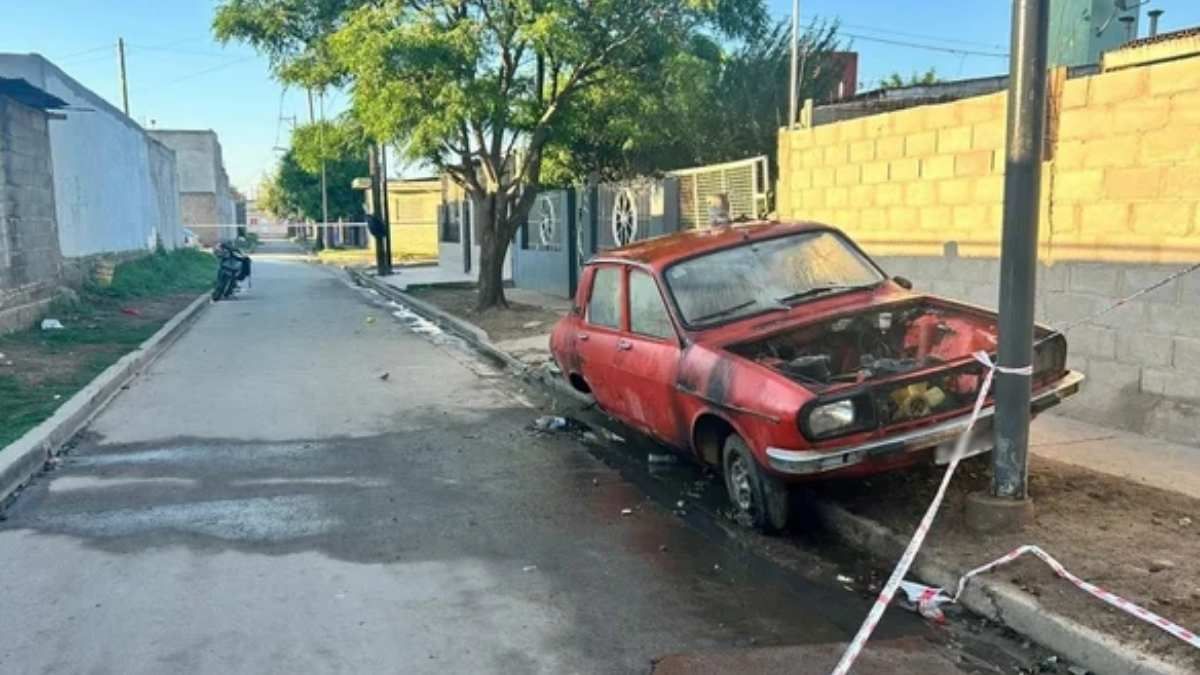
(914,359)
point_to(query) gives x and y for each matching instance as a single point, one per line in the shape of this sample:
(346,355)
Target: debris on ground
(660,458)
(369,320)
(627,512)
(547,423)
(52,324)
(529,568)
(1161,565)
(532,324)
(610,436)
(385,375)
(131,311)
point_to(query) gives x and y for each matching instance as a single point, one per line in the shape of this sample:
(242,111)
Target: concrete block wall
(922,190)
(1142,359)
(30,261)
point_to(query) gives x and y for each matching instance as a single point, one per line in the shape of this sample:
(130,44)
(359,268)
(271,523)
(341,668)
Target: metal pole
(386,206)
(795,64)
(1018,257)
(324,189)
(373,168)
(124,82)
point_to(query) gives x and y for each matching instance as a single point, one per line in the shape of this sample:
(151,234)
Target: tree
(294,190)
(707,104)
(480,89)
(896,80)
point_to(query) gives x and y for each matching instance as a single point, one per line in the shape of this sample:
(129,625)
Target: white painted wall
(110,178)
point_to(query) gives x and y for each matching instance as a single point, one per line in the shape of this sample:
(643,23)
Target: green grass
(161,273)
(96,334)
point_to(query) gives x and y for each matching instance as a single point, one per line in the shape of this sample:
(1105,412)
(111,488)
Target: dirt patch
(1139,542)
(41,369)
(518,321)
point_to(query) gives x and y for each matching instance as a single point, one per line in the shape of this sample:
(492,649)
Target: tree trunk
(493,246)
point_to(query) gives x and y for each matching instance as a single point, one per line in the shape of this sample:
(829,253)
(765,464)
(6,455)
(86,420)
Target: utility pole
(324,188)
(794,76)
(375,221)
(1008,506)
(387,206)
(124,81)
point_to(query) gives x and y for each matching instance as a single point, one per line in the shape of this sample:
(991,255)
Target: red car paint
(671,388)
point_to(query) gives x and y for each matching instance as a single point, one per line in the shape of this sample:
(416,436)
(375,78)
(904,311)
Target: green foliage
(481,89)
(897,81)
(706,105)
(294,190)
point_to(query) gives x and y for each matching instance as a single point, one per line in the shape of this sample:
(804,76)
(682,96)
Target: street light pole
(1008,506)
(793,76)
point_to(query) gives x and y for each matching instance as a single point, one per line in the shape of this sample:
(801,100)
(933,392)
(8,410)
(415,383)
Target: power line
(82,53)
(925,36)
(932,48)
(205,71)
(173,50)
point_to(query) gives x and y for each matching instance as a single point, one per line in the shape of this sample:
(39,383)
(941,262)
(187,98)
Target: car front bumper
(809,462)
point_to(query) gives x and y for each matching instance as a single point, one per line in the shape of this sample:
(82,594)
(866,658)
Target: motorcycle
(233,266)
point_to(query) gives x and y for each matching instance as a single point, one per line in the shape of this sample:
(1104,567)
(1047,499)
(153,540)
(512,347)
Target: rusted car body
(781,353)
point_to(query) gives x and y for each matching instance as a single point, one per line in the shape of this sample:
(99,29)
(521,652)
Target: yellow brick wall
(413,209)
(1123,184)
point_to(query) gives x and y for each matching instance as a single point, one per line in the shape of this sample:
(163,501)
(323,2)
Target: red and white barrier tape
(927,602)
(1111,598)
(918,538)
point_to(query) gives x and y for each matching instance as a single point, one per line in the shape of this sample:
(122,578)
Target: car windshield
(765,275)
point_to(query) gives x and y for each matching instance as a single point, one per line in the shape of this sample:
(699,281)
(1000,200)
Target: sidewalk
(1117,509)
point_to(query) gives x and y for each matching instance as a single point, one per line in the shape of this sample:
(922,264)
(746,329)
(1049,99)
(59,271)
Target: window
(604,308)
(647,314)
(768,275)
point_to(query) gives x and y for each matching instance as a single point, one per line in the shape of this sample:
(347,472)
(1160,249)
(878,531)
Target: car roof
(659,252)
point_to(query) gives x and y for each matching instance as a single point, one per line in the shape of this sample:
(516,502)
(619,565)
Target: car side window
(647,313)
(604,307)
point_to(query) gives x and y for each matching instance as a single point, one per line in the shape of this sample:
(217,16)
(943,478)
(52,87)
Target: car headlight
(831,418)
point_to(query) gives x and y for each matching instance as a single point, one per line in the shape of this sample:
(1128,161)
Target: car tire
(759,500)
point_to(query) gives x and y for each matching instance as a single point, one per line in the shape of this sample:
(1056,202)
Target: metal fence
(567,227)
(745,182)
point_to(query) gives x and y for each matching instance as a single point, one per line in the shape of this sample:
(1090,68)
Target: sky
(180,77)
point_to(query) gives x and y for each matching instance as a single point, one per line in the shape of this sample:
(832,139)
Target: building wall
(105,187)
(1080,30)
(30,261)
(201,170)
(1120,209)
(413,211)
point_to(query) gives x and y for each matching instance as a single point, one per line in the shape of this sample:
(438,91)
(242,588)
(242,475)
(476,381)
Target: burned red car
(782,353)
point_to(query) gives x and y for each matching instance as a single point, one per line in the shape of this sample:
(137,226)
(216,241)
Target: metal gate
(744,181)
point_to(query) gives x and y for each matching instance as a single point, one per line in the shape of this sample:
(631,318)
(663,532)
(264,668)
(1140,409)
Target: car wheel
(759,499)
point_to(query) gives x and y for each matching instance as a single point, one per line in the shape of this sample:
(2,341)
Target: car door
(647,359)
(598,335)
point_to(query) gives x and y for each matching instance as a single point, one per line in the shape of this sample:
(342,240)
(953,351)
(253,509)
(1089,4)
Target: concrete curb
(470,333)
(24,457)
(996,600)
(1002,602)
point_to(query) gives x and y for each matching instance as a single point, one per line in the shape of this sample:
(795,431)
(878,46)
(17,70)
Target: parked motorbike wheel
(224,286)
(759,499)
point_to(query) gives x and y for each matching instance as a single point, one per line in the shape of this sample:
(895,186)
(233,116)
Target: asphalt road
(262,501)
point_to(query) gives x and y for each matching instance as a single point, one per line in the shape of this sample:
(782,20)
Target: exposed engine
(879,344)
